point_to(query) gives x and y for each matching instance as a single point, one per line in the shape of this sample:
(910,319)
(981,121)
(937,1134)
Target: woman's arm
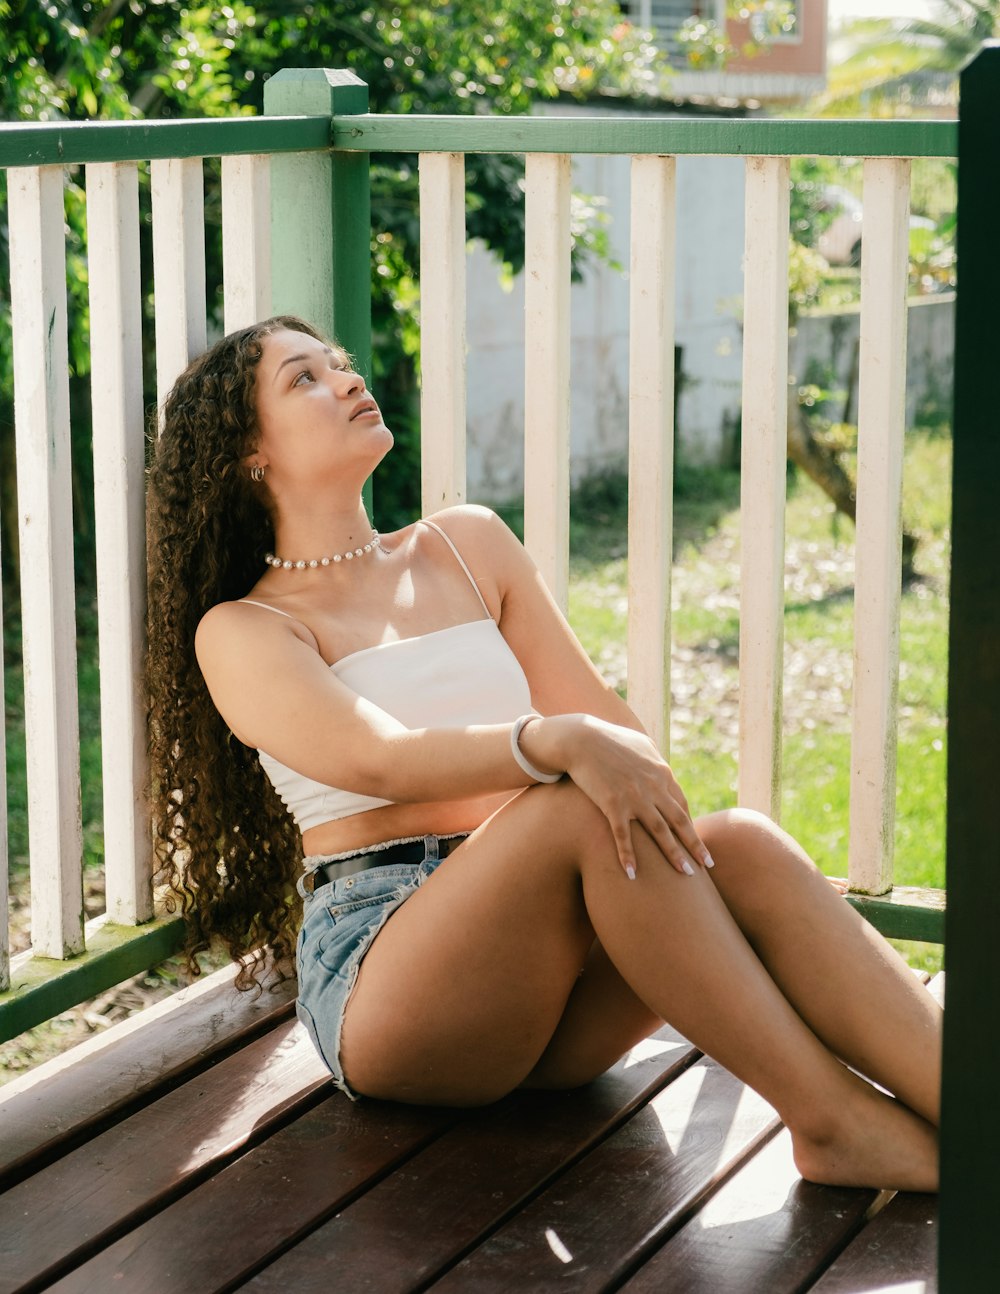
(622,771)
(275,692)
(272,687)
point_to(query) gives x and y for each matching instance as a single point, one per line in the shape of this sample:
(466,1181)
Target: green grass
(818,631)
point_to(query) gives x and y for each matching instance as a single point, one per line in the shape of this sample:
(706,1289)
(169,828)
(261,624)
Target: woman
(503,884)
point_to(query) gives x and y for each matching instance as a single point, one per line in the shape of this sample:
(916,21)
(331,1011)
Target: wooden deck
(201,1148)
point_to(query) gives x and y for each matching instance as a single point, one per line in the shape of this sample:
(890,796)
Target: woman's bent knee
(736,822)
(567,821)
(746,839)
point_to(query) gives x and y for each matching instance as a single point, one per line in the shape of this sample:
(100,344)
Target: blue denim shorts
(340,922)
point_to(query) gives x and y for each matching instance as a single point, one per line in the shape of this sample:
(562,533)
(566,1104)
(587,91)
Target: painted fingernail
(709,860)
(630,872)
(689,870)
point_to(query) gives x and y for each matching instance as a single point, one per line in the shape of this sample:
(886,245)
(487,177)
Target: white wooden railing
(41,390)
(765,369)
(38,290)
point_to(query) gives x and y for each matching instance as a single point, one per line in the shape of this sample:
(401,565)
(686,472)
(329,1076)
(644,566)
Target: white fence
(41,385)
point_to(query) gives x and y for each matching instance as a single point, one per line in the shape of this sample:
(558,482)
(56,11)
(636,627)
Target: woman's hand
(628,779)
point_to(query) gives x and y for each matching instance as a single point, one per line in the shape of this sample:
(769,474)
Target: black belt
(407,851)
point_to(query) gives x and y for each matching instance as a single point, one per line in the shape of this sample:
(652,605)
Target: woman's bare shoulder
(470,525)
(240,626)
(238,647)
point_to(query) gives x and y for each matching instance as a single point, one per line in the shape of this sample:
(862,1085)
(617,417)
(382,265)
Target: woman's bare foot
(874,1141)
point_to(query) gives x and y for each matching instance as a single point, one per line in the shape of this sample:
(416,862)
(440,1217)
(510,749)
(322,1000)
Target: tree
(877,68)
(880,62)
(707,45)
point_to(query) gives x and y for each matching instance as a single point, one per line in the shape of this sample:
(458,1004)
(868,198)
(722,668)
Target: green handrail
(71,142)
(118,141)
(638,134)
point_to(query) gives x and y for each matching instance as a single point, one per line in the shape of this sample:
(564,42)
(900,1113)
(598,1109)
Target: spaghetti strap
(461,561)
(252,603)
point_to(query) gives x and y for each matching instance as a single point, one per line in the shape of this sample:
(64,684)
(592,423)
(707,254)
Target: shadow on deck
(201,1148)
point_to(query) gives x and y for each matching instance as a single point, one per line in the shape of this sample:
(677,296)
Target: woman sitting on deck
(503,885)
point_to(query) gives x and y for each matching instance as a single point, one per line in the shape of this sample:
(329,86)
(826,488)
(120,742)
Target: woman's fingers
(682,853)
(621,830)
(692,842)
(625,775)
(667,842)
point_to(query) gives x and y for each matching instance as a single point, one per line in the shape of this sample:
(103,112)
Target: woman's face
(314,414)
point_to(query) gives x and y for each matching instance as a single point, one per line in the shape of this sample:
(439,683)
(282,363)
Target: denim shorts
(339,924)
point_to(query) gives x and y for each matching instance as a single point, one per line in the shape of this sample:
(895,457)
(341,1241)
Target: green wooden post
(969,1238)
(321,214)
(321,217)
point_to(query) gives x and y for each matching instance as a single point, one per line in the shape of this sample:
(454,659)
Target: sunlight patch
(675,1113)
(649,1049)
(557,1246)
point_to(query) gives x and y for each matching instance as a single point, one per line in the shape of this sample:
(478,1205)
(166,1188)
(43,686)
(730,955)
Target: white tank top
(464,674)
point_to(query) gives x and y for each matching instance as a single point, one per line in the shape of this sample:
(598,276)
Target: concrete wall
(827,341)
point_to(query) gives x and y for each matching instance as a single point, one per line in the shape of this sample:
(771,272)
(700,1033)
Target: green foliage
(809,215)
(933,261)
(704,43)
(707,45)
(877,64)
(806,276)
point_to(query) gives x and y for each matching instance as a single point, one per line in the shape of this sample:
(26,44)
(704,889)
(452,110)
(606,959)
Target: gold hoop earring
(257,473)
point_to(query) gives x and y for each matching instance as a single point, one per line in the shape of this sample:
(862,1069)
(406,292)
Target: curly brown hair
(223,841)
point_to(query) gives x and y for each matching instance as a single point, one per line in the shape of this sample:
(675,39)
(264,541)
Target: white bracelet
(522,761)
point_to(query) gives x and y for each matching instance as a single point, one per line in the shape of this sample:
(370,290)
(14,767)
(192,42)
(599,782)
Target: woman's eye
(302,378)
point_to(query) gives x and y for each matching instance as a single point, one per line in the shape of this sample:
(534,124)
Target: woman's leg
(843,978)
(464,990)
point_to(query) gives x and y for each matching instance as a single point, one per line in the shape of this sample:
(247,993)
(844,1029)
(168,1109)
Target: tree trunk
(823,466)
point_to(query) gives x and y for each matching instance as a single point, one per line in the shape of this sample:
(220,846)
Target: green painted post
(321,217)
(969,1255)
(321,214)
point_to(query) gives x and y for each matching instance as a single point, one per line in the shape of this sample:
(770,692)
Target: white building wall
(709,283)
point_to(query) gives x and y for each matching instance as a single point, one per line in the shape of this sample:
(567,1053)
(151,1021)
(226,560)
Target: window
(665,18)
(791,36)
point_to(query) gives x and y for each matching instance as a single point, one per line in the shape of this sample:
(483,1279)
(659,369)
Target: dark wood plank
(765,1231)
(75,1095)
(896,1250)
(415,1223)
(600,1220)
(61,1214)
(274,1193)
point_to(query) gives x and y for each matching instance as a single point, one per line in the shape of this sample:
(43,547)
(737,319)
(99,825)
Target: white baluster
(48,613)
(762,488)
(246,240)
(178,191)
(881,419)
(442,330)
(119,445)
(546,367)
(651,441)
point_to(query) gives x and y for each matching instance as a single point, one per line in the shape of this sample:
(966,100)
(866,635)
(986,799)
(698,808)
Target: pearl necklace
(310,564)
